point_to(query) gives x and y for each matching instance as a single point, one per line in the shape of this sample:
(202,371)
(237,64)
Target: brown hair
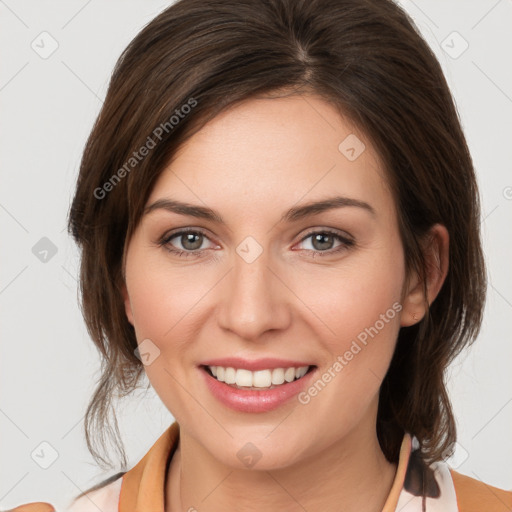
(365,57)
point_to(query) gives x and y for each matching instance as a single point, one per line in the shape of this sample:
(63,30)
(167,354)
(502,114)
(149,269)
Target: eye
(324,241)
(190,242)
(186,242)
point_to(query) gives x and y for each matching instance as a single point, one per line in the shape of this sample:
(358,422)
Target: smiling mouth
(260,380)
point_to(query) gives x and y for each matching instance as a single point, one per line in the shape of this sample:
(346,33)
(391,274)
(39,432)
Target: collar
(143,486)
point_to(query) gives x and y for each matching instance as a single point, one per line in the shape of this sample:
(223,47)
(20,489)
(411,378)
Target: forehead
(265,154)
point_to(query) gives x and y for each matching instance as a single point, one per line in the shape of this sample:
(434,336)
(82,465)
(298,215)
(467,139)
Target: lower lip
(255,401)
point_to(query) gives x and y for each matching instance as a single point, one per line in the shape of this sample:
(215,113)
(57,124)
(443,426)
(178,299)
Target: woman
(279,224)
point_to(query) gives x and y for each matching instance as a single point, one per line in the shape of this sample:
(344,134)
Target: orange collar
(143,487)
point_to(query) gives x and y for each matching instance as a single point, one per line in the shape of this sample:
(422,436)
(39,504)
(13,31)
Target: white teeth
(262,379)
(300,372)
(257,379)
(244,378)
(277,376)
(289,374)
(230,376)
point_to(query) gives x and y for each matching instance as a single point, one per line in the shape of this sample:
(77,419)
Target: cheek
(354,298)
(160,295)
(357,308)
(163,302)
(168,306)
(362,313)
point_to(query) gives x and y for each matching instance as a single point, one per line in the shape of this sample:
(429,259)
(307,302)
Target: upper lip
(266,363)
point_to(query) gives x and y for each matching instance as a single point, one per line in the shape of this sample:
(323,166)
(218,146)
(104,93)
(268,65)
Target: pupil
(321,238)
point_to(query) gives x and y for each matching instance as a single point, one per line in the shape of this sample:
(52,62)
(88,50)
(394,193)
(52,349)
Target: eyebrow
(292,215)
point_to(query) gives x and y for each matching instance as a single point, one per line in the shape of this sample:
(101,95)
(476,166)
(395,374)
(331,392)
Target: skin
(295,301)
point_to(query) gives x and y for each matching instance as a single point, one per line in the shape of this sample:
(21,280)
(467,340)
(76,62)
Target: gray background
(48,364)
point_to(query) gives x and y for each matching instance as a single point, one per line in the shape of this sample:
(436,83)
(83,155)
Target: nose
(253,300)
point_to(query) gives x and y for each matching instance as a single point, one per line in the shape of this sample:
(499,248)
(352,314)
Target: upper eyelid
(180,231)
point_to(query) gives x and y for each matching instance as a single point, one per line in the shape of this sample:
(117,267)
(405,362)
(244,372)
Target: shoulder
(474,495)
(104,497)
(38,506)
(437,486)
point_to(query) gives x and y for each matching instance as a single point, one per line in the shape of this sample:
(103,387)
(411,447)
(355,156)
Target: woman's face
(263,280)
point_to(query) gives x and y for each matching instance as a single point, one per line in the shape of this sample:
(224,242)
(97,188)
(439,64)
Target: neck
(353,474)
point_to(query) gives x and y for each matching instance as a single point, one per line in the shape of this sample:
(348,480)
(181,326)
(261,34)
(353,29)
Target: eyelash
(346,243)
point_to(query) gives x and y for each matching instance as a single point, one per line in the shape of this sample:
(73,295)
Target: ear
(127,303)
(436,252)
